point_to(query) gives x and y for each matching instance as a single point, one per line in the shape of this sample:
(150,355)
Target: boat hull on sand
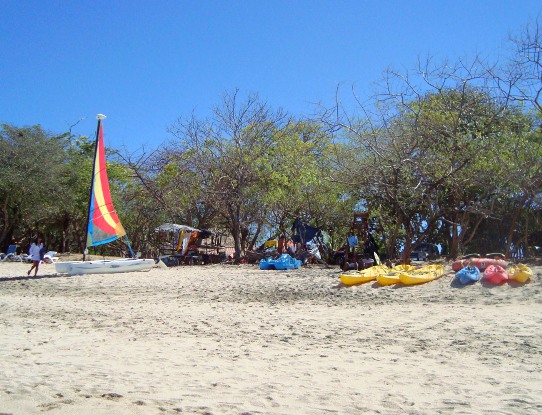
(365,275)
(480,263)
(393,276)
(104,266)
(422,275)
(520,273)
(468,275)
(282,263)
(495,274)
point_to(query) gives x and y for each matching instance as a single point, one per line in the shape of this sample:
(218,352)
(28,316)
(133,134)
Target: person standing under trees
(281,244)
(370,246)
(35,254)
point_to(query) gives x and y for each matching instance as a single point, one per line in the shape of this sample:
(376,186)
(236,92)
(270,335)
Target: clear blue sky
(144,63)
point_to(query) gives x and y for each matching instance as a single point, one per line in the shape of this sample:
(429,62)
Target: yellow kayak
(393,276)
(521,273)
(365,275)
(421,275)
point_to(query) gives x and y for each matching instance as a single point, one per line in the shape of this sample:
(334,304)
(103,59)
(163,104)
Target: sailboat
(103,224)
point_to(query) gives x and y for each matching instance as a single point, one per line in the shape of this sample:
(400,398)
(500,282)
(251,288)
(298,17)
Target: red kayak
(495,274)
(480,263)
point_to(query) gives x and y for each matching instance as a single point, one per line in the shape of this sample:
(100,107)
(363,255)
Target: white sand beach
(226,339)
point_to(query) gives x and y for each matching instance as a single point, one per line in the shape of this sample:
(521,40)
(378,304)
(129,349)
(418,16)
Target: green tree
(31,160)
(219,157)
(298,169)
(425,156)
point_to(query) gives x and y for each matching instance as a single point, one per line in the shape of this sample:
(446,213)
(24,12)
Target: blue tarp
(304,233)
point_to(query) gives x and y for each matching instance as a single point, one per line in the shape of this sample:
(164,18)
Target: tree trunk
(254,239)
(458,235)
(233,213)
(7,229)
(526,237)
(408,242)
(513,223)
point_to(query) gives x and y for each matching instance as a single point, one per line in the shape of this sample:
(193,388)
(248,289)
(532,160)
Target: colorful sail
(103,223)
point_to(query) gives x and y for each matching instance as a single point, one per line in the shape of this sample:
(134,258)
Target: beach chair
(49,257)
(10,254)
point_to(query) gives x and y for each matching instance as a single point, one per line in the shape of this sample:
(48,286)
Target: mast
(99,117)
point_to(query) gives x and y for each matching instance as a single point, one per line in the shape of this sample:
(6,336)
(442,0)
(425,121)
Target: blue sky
(144,63)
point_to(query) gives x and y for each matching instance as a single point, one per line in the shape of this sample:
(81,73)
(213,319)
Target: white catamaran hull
(104,266)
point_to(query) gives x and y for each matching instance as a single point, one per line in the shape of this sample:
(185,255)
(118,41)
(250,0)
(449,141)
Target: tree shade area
(447,154)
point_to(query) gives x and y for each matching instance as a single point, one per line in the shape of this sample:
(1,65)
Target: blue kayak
(283,262)
(468,275)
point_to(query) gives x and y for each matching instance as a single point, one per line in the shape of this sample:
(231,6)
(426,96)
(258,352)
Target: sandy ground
(227,339)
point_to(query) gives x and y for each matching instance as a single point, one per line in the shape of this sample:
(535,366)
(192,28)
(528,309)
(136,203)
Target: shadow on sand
(31,278)
(455,283)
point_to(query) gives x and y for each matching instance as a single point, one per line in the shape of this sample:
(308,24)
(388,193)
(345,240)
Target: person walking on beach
(35,254)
